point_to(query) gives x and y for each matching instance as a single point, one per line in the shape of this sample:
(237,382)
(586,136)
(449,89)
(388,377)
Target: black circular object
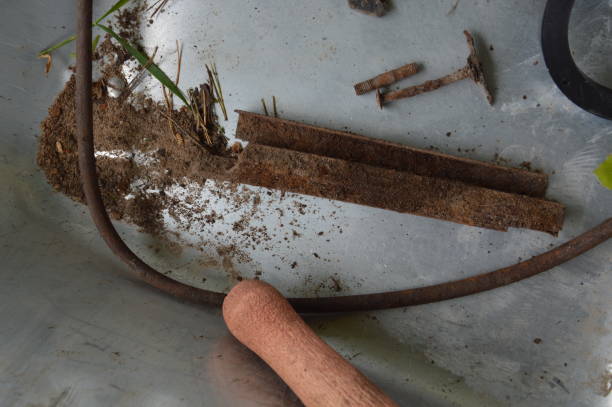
(578,87)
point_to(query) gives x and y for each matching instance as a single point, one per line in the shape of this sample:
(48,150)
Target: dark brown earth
(119,126)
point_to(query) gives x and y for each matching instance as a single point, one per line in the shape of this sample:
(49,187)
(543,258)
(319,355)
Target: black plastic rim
(579,88)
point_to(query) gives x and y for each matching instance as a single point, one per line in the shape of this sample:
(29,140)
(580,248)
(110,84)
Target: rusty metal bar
(296,136)
(399,191)
(386,78)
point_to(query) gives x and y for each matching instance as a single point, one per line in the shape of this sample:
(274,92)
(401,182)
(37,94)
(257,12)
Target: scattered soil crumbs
(128,22)
(159,181)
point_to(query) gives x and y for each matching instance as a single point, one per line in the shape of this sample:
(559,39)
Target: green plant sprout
(150,66)
(94,44)
(115,7)
(604,172)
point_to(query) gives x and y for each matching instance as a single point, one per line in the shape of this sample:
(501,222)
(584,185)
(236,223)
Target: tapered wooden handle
(262,319)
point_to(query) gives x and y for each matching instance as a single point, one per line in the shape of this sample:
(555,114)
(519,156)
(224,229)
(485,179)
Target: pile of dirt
(152,175)
(136,153)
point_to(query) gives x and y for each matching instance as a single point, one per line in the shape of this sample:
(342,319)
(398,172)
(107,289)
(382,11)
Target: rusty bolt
(386,79)
(472,70)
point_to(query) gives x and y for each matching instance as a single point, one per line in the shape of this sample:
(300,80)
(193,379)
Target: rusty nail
(387,78)
(472,70)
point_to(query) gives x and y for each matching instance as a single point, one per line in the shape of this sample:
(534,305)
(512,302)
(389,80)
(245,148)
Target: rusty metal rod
(386,78)
(427,86)
(392,299)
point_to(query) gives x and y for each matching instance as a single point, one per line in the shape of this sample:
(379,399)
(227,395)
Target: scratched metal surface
(76,331)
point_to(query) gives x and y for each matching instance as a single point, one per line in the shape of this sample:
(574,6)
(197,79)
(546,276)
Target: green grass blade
(95,42)
(152,68)
(604,172)
(219,90)
(94,45)
(68,40)
(111,10)
(58,45)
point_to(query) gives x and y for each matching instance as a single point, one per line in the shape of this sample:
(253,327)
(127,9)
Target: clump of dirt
(128,22)
(137,156)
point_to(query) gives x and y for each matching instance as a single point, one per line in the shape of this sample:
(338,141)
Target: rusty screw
(386,79)
(472,70)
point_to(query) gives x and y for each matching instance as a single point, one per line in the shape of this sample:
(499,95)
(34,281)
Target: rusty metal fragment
(291,135)
(472,70)
(386,78)
(398,191)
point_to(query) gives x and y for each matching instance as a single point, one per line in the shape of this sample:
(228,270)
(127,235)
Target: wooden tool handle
(262,319)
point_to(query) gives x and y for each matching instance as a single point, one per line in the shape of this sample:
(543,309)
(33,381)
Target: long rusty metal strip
(399,191)
(291,135)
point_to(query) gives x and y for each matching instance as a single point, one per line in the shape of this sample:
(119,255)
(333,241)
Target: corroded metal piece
(291,135)
(386,79)
(472,70)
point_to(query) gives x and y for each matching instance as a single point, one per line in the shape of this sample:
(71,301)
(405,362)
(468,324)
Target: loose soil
(129,131)
(140,136)
(141,164)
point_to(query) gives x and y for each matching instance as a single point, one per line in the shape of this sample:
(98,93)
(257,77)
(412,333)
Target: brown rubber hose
(391,299)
